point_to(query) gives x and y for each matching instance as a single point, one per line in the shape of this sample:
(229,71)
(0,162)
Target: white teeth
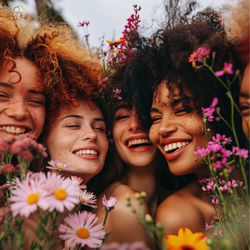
(86,152)
(12,129)
(138,141)
(177,145)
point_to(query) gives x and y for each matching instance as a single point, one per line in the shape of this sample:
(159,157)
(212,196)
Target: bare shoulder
(178,210)
(122,222)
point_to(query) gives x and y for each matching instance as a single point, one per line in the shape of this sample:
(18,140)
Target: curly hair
(237,27)
(166,57)
(67,71)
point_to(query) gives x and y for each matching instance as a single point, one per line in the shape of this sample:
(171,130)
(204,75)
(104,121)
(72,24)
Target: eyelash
(121,117)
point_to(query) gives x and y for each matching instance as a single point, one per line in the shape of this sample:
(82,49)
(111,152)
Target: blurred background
(108,17)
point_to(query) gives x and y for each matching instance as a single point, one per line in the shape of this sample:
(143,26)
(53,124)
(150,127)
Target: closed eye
(118,118)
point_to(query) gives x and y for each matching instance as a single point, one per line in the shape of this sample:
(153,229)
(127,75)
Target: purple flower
(108,204)
(226,70)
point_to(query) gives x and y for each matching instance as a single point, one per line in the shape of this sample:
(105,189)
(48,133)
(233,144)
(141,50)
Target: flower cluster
(198,56)
(23,146)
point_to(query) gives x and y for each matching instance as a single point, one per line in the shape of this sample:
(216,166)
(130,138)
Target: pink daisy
(61,193)
(56,165)
(108,204)
(78,181)
(80,229)
(87,198)
(27,196)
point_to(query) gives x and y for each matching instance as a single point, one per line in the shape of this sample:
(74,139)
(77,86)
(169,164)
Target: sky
(108,17)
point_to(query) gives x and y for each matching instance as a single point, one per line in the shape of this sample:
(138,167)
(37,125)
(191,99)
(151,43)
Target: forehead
(164,96)
(21,71)
(85,108)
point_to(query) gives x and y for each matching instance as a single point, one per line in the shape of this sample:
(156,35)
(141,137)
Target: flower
(56,165)
(27,196)
(87,198)
(199,55)
(61,193)
(83,23)
(240,152)
(208,112)
(108,204)
(80,229)
(227,69)
(78,181)
(186,240)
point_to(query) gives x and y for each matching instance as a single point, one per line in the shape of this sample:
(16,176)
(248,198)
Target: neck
(142,179)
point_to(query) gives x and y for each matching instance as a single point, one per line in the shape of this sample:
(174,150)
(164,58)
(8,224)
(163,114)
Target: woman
(177,128)
(23,81)
(237,28)
(75,131)
(135,164)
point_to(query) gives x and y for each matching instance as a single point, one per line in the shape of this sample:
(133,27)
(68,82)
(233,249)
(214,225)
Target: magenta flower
(222,139)
(80,229)
(199,55)
(226,70)
(208,112)
(240,152)
(202,151)
(108,204)
(83,23)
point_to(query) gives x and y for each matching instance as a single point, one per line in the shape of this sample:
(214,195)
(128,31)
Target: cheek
(245,125)
(153,134)
(38,117)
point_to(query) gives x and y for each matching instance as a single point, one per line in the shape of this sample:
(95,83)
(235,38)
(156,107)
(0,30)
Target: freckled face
(245,100)
(131,141)
(78,137)
(22,102)
(177,130)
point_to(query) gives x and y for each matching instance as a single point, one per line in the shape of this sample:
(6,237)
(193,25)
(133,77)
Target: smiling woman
(77,137)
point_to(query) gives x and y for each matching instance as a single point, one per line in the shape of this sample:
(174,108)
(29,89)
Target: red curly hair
(67,71)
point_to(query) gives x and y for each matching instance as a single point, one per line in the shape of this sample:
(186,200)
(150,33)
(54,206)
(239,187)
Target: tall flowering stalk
(84,25)
(199,58)
(229,193)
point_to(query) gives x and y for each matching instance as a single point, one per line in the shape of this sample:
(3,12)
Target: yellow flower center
(82,233)
(60,194)
(60,167)
(32,198)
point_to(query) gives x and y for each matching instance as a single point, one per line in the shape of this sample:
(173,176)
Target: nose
(134,125)
(17,110)
(167,127)
(89,134)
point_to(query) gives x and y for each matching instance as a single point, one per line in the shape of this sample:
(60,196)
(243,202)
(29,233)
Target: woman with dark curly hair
(179,93)
(177,127)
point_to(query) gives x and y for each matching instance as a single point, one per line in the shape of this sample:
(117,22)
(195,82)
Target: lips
(88,153)
(173,148)
(138,144)
(15,130)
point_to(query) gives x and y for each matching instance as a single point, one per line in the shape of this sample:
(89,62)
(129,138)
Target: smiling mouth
(14,130)
(138,143)
(173,147)
(86,152)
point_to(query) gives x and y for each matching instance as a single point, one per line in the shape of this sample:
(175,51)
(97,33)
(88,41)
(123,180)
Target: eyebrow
(81,117)
(71,116)
(31,91)
(122,106)
(154,110)
(242,94)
